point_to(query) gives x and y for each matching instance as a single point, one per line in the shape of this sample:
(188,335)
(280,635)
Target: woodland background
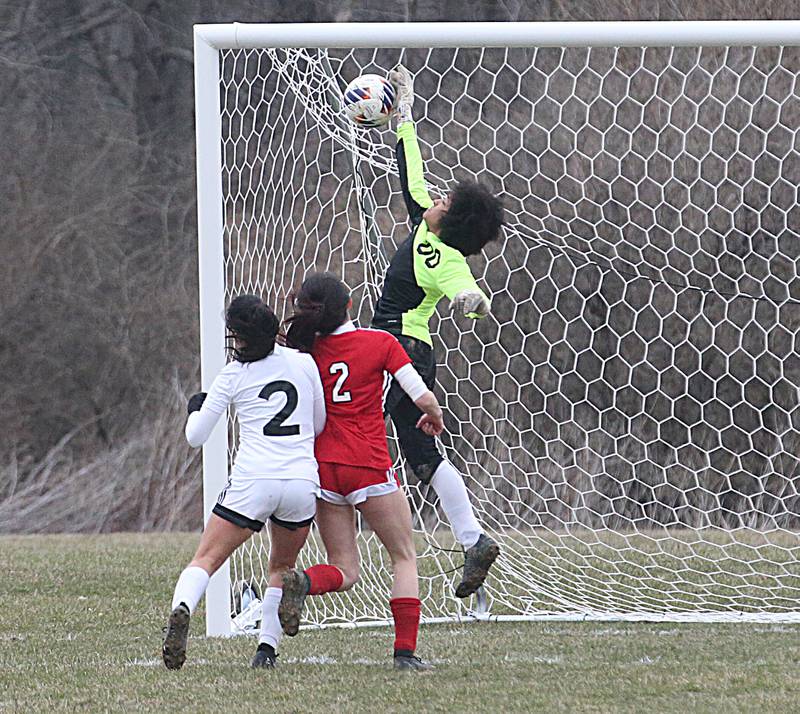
(98,277)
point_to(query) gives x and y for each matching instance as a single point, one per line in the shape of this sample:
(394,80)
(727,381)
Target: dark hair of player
(319,308)
(251,321)
(473,219)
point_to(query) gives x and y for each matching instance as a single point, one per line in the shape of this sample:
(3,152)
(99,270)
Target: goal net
(627,418)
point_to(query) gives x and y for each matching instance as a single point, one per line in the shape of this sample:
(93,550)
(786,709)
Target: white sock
(270,624)
(190,588)
(453,496)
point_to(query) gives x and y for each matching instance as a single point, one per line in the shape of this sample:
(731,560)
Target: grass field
(80,629)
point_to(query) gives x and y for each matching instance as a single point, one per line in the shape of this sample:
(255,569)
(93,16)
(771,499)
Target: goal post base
(792,618)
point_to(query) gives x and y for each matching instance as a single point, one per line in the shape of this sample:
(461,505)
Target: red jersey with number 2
(352,363)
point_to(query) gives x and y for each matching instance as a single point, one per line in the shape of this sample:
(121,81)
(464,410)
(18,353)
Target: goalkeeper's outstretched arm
(468,219)
(409,158)
(410,168)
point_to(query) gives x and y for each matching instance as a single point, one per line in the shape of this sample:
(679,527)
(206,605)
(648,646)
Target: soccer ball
(368,100)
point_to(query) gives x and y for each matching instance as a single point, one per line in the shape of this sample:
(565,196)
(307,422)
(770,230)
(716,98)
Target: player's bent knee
(421,453)
(424,472)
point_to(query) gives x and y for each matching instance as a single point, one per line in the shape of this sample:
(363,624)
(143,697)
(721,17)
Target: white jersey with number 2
(280,407)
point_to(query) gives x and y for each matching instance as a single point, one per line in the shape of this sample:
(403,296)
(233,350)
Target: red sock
(405,611)
(324,579)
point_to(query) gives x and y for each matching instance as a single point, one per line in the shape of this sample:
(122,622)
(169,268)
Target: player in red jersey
(354,465)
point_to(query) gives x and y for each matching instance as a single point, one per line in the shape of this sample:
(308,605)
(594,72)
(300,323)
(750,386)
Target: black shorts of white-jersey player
(429,265)
(280,407)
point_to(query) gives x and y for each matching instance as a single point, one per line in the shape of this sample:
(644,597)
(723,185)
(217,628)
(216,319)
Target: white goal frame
(210,39)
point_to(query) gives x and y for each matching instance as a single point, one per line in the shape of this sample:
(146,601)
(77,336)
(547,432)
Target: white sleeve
(201,423)
(408,378)
(319,400)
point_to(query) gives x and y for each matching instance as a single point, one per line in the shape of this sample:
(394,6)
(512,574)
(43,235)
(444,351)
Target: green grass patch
(80,629)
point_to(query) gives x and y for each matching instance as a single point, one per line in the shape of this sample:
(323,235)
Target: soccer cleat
(477,561)
(411,663)
(265,657)
(174,649)
(290,610)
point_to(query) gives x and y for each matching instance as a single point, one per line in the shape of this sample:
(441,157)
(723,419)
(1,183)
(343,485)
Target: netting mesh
(627,418)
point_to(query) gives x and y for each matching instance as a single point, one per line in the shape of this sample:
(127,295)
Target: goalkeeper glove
(472,303)
(195,402)
(403,84)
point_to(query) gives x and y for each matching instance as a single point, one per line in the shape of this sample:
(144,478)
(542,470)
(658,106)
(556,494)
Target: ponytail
(304,325)
(320,307)
(250,320)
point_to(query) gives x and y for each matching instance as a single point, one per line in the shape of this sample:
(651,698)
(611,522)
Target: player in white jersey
(280,407)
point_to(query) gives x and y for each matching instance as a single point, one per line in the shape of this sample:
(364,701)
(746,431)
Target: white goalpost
(627,419)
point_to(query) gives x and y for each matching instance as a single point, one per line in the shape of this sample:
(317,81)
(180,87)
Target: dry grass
(151,480)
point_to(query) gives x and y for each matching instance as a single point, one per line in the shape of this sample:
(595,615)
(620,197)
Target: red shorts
(350,485)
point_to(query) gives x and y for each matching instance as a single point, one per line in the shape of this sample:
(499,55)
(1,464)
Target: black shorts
(418,448)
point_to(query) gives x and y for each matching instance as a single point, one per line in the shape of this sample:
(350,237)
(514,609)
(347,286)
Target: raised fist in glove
(403,84)
(195,402)
(472,303)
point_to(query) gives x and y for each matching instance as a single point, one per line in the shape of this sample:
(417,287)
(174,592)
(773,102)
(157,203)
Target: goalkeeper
(429,265)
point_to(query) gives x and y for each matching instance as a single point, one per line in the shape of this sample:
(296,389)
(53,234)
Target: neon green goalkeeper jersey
(424,269)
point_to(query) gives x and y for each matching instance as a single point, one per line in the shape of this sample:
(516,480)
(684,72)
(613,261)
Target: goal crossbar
(700,33)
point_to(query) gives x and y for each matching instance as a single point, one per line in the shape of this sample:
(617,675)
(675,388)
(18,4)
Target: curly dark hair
(250,320)
(473,219)
(319,308)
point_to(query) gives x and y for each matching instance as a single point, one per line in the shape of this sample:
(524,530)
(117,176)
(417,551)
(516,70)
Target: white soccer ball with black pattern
(369,100)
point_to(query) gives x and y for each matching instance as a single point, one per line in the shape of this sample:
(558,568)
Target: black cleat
(265,657)
(174,649)
(477,561)
(411,663)
(290,610)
